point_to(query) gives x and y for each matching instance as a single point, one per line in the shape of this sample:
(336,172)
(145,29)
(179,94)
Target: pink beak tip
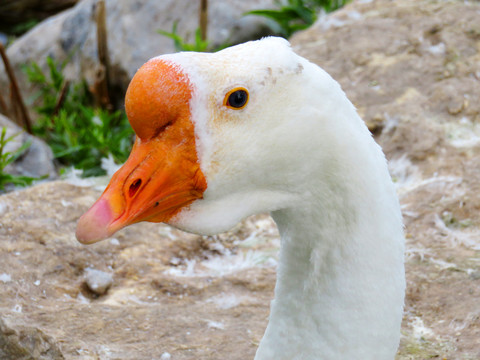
(93,226)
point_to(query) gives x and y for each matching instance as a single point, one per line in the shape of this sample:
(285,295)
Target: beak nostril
(134,187)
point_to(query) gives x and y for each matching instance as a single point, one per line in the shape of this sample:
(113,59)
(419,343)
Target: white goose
(257,128)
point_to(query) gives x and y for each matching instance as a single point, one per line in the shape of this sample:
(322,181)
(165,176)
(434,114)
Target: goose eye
(236,99)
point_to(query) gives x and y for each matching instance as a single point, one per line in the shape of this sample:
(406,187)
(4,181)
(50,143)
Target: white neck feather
(340,282)
(300,151)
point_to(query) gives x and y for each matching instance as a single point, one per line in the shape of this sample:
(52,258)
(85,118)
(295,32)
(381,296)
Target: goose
(256,128)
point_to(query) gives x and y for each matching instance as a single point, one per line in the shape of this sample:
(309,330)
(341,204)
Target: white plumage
(299,150)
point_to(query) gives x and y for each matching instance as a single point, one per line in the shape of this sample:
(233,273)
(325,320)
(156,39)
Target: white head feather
(299,150)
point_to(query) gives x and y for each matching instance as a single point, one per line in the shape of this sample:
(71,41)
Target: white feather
(299,150)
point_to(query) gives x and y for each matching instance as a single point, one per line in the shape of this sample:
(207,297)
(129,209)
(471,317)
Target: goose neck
(340,281)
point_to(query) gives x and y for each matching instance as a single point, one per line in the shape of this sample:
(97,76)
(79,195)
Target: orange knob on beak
(162,174)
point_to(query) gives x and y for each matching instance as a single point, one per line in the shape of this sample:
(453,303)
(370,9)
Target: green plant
(49,85)
(83,139)
(181,45)
(79,134)
(7,158)
(295,15)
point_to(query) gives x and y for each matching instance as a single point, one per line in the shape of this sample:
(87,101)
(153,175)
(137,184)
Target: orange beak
(162,174)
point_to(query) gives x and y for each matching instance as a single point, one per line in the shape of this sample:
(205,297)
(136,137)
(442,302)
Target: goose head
(220,137)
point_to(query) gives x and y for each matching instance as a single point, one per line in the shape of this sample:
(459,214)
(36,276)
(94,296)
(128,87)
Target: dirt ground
(193,297)
(412,68)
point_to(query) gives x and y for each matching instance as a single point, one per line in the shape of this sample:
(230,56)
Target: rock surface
(172,293)
(182,296)
(132,36)
(37,160)
(22,342)
(98,281)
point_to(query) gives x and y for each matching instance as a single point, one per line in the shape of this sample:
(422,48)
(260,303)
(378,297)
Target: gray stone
(36,161)
(98,281)
(3,38)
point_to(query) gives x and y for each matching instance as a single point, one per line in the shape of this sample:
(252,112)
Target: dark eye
(236,98)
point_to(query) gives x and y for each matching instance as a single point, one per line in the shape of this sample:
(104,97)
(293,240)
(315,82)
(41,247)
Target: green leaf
(181,44)
(7,158)
(277,15)
(19,152)
(296,15)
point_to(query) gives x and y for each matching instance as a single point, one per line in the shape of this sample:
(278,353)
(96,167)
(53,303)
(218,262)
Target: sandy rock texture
(412,67)
(189,296)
